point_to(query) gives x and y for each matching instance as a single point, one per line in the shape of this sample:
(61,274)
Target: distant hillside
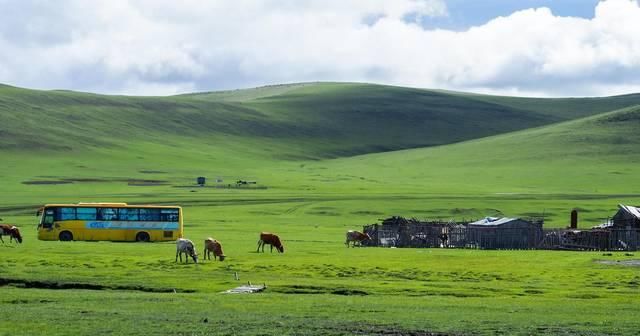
(593,155)
(611,136)
(312,120)
(569,108)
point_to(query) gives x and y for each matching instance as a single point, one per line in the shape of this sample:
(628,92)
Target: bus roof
(110,205)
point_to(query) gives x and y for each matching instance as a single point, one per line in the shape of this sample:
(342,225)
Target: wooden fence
(460,235)
(592,240)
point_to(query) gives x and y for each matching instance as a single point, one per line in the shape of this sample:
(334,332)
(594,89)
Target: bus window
(87,213)
(169,215)
(107,214)
(149,214)
(66,214)
(128,214)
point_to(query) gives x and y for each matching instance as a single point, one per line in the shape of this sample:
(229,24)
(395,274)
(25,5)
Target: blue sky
(163,47)
(463,14)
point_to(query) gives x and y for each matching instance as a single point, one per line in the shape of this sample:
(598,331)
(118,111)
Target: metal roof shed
(504,233)
(627,217)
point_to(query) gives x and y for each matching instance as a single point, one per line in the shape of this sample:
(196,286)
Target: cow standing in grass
(187,247)
(356,237)
(212,245)
(271,239)
(12,231)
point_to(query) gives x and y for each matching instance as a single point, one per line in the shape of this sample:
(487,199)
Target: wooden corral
(591,240)
(505,233)
(400,232)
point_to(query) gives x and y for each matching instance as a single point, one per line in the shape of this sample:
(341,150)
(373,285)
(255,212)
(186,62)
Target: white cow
(187,247)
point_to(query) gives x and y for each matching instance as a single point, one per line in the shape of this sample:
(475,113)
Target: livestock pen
(496,233)
(610,239)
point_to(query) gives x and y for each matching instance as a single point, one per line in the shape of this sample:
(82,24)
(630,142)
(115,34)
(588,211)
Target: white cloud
(165,47)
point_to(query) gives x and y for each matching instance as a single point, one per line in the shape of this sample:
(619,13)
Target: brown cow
(271,239)
(212,245)
(12,231)
(356,237)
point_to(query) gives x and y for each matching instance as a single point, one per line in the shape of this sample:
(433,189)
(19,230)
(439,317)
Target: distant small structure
(627,217)
(201,181)
(504,233)
(574,219)
(240,183)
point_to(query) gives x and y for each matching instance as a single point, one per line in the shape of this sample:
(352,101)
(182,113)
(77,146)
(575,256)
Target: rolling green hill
(311,121)
(568,108)
(563,158)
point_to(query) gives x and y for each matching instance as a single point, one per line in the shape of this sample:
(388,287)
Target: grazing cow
(12,231)
(356,237)
(212,245)
(188,248)
(271,239)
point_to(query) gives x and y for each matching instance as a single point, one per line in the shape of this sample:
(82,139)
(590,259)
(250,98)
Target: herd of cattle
(188,248)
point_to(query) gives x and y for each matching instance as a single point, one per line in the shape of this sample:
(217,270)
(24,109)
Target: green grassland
(327,157)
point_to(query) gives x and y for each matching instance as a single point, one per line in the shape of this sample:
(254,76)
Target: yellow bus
(110,221)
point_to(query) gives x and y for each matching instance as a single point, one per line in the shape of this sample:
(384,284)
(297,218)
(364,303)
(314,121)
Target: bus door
(48,218)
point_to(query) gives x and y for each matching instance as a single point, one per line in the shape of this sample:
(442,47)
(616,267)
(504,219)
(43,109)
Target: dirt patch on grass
(21,283)
(389,330)
(223,186)
(631,262)
(533,291)
(21,301)
(129,181)
(367,213)
(87,179)
(146,183)
(152,172)
(349,292)
(46,182)
(584,296)
(303,289)
(323,213)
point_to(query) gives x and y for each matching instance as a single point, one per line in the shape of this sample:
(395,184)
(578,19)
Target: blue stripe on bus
(167,226)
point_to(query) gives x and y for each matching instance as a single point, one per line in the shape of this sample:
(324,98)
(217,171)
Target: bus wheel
(65,236)
(142,237)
